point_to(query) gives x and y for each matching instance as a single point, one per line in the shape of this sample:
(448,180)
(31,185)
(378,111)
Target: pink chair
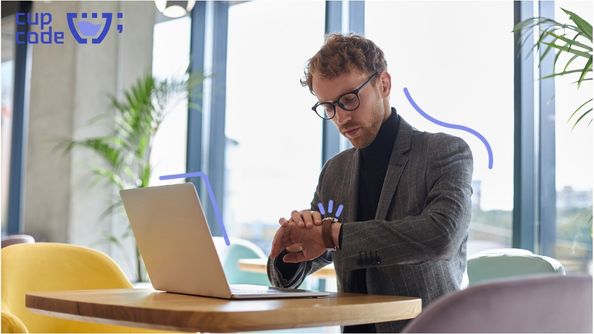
(537,304)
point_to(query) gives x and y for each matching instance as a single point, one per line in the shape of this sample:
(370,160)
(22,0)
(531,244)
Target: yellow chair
(52,267)
(12,324)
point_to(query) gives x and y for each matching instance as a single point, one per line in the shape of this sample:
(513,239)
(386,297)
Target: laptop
(174,240)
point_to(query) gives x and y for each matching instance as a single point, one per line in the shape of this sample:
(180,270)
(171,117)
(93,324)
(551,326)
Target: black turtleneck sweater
(373,165)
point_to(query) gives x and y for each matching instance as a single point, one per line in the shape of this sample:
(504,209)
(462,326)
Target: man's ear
(385,81)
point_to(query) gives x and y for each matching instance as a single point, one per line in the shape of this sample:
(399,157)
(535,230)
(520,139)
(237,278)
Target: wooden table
(148,308)
(259,266)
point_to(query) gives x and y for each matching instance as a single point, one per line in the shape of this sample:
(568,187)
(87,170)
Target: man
(405,193)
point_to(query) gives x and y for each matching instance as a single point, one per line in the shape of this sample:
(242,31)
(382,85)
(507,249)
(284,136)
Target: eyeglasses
(348,101)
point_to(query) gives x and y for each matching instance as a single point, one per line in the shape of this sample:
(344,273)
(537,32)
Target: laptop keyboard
(258,289)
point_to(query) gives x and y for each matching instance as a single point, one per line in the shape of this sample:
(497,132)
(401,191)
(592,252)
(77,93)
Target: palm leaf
(560,74)
(578,109)
(582,25)
(581,117)
(568,49)
(570,42)
(554,36)
(568,62)
(137,113)
(587,68)
(103,147)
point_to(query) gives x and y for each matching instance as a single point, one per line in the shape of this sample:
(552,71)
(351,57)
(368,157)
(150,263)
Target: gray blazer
(416,244)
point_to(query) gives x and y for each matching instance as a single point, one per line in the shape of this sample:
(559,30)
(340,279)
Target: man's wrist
(328,233)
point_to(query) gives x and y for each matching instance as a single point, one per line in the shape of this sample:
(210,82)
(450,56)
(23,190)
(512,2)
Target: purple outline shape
(339,211)
(211,197)
(330,206)
(452,126)
(321,207)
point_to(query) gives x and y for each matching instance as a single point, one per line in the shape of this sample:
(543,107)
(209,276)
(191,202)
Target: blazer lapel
(353,189)
(398,161)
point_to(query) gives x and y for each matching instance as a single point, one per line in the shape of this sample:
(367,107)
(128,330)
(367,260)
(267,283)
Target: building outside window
(573,161)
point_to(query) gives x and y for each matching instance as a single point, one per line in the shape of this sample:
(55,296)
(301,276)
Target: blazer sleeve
(291,275)
(436,233)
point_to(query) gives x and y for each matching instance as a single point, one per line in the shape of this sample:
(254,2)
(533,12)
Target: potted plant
(125,152)
(573,42)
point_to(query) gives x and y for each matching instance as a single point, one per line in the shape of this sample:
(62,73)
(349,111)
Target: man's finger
(317,218)
(294,248)
(278,243)
(294,257)
(296,218)
(282,221)
(307,218)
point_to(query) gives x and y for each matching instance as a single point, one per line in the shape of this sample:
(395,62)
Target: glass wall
(574,160)
(171,56)
(273,154)
(8,36)
(456,60)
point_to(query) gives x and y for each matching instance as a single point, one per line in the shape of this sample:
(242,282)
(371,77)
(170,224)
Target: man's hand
(303,218)
(292,235)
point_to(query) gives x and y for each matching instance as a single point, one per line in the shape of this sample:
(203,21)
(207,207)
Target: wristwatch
(327,232)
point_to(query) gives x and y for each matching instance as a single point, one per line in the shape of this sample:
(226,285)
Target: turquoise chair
(237,250)
(504,263)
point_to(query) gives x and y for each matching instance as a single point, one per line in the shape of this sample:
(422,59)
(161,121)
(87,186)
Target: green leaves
(582,25)
(573,40)
(137,116)
(125,153)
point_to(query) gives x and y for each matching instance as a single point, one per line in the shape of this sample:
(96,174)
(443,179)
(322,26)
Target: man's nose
(342,116)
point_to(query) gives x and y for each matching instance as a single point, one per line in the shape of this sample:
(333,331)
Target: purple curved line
(452,126)
(321,207)
(339,211)
(211,196)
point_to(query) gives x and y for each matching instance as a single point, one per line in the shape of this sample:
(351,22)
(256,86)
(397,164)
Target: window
(456,59)
(573,162)
(171,54)
(273,155)
(8,25)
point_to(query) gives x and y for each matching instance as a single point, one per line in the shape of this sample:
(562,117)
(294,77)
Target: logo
(89,29)
(89,26)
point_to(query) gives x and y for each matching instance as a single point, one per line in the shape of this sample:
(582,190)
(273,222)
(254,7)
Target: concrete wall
(70,85)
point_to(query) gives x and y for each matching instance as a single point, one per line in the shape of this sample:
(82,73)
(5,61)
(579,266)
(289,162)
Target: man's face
(361,125)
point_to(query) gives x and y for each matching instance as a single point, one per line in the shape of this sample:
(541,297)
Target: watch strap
(327,232)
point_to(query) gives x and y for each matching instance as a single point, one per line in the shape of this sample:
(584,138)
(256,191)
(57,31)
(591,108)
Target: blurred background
(248,125)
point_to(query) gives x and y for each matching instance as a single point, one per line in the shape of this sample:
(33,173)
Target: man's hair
(343,53)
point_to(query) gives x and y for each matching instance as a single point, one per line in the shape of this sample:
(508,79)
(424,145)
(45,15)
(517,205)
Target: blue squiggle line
(211,196)
(339,211)
(330,207)
(321,207)
(452,126)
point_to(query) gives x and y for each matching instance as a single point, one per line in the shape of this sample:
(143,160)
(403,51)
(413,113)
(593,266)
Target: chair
(509,262)
(12,324)
(539,304)
(17,239)
(237,250)
(50,267)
